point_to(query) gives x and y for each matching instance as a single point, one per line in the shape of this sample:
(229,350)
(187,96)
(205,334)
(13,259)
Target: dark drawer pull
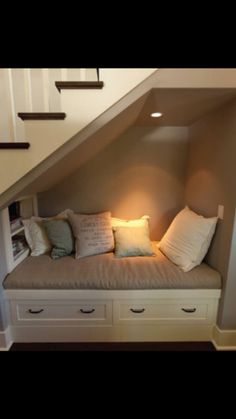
(189,310)
(35,312)
(87,311)
(137,311)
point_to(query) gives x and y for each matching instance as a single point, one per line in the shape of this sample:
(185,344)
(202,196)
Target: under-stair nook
(82,143)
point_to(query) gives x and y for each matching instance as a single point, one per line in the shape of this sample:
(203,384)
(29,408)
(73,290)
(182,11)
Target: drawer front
(42,312)
(162,311)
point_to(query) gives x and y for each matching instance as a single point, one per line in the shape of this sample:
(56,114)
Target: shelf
(21,255)
(17,230)
(12,219)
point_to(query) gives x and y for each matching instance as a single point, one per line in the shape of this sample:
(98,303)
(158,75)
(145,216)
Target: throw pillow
(117,222)
(93,233)
(188,238)
(36,235)
(61,216)
(132,241)
(61,237)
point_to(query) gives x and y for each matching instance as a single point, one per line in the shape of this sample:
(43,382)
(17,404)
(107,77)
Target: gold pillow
(117,222)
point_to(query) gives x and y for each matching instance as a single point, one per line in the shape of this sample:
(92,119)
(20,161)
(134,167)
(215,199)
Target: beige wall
(211,180)
(142,172)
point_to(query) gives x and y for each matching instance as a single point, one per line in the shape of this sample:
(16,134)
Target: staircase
(31,90)
(42,109)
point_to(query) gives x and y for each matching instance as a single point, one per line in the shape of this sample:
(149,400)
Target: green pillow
(132,241)
(61,237)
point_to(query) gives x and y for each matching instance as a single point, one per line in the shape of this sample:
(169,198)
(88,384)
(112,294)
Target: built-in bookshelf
(16,247)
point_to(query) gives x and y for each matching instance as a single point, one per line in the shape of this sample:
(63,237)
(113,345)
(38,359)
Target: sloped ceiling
(87,149)
(180,107)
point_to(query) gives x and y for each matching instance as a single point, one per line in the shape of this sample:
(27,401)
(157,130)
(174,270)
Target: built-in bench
(103,298)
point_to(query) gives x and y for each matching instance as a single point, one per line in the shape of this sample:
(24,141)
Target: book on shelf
(19,252)
(15,224)
(19,244)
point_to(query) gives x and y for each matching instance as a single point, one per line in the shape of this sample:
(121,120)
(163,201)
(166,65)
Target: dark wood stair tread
(41,115)
(13,146)
(79,85)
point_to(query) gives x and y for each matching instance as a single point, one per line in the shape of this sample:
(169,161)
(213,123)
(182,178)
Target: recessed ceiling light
(156,115)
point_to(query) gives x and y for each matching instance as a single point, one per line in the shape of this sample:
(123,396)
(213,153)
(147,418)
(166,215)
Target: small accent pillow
(188,238)
(132,241)
(93,233)
(36,235)
(61,237)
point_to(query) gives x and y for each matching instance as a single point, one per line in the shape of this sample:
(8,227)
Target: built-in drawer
(161,311)
(44,312)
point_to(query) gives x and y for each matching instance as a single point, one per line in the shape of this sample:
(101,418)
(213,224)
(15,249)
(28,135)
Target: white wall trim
(224,339)
(112,333)
(221,339)
(5,340)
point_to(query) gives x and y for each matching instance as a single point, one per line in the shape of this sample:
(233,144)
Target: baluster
(19,100)
(83,74)
(4,125)
(54,97)
(28,90)
(45,77)
(37,89)
(64,74)
(10,104)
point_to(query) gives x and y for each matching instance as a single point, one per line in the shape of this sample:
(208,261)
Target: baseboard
(221,339)
(115,333)
(224,340)
(5,340)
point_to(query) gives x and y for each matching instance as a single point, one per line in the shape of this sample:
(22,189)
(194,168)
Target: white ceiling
(182,107)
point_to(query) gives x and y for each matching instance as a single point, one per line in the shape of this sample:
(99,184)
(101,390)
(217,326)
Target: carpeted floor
(126,346)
